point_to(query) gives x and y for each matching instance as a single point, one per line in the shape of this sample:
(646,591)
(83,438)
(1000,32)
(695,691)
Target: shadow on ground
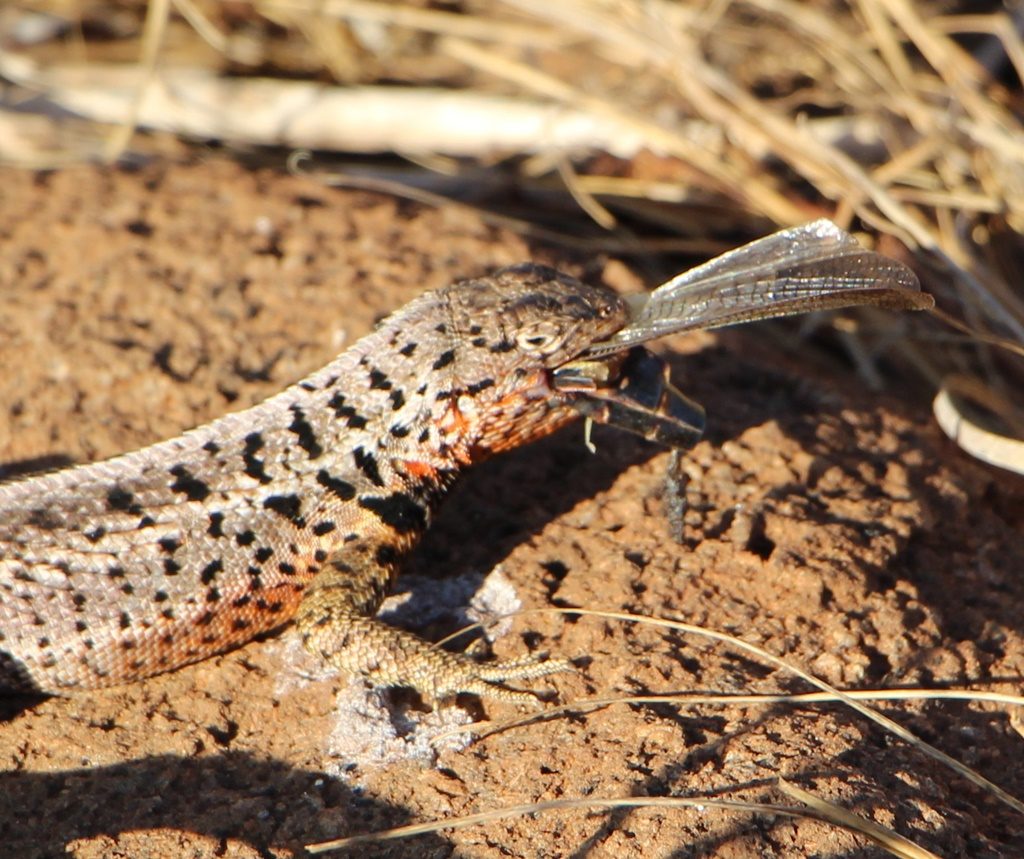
(263,803)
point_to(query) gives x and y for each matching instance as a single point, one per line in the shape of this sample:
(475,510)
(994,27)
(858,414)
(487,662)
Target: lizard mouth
(631,390)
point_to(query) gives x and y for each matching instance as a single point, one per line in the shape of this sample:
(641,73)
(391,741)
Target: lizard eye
(538,341)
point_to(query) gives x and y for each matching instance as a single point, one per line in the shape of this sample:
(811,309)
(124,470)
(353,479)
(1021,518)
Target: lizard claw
(487,679)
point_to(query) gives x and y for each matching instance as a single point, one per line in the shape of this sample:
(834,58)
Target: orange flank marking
(418,469)
(453,422)
(454,425)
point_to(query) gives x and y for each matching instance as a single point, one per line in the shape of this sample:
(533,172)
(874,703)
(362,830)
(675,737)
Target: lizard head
(520,371)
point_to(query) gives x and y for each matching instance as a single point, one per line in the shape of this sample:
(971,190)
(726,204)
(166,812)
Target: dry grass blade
(999,450)
(157,13)
(888,43)
(830,694)
(425,19)
(997,24)
(205,28)
(598,213)
(303,114)
(748,122)
(817,809)
(406,191)
(484,728)
(896,844)
(960,73)
(924,166)
(974,335)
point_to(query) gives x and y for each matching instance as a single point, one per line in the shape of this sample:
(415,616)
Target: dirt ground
(832,526)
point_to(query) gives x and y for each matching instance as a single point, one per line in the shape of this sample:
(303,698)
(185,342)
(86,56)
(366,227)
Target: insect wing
(816,266)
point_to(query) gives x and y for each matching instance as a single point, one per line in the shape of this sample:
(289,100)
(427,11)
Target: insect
(816,266)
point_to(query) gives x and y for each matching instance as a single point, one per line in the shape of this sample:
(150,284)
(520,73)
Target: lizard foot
(393,657)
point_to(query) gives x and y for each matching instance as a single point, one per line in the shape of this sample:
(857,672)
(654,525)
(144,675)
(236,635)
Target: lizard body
(298,508)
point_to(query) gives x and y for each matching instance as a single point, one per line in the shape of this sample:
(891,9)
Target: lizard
(302,507)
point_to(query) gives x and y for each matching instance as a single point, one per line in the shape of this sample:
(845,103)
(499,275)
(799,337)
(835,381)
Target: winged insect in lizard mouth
(816,266)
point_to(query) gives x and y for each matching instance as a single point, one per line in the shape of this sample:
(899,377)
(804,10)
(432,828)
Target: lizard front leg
(335,620)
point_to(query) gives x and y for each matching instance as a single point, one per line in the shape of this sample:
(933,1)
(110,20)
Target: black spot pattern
(210,571)
(379,380)
(304,434)
(121,499)
(253,464)
(337,403)
(444,359)
(245,538)
(352,418)
(397,510)
(342,489)
(188,485)
(477,387)
(216,521)
(43,519)
(169,544)
(366,462)
(288,507)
